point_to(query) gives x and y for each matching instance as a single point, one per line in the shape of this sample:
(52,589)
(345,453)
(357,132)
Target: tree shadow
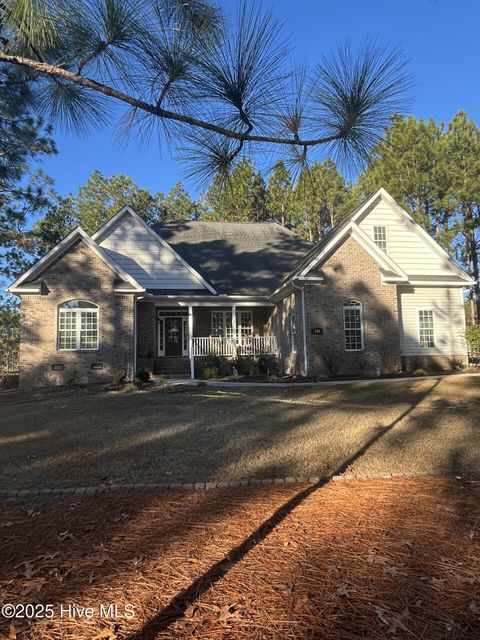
(177,606)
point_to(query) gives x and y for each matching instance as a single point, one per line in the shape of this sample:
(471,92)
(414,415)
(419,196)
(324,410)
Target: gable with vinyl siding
(143,256)
(404,245)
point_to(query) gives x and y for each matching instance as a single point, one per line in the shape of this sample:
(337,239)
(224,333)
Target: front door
(173,336)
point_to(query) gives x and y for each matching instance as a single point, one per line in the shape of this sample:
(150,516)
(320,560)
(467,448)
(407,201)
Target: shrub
(243,365)
(472,336)
(266,363)
(456,364)
(210,372)
(162,382)
(118,376)
(420,372)
(131,387)
(332,359)
(255,369)
(212,361)
(142,376)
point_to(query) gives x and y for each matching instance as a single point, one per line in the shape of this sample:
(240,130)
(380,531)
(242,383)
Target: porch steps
(172,367)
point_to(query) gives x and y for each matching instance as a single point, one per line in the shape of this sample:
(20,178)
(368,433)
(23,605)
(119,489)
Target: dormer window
(380,238)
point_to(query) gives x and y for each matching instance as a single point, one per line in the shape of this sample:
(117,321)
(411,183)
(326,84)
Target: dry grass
(231,434)
(372,559)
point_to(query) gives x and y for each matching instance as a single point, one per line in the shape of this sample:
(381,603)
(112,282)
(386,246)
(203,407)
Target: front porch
(172,340)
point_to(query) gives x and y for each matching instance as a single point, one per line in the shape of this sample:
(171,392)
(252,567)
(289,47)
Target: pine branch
(88,83)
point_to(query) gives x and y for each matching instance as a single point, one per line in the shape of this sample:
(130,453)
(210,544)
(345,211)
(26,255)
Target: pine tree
(24,140)
(461,148)
(319,199)
(279,194)
(242,198)
(408,164)
(177,205)
(100,198)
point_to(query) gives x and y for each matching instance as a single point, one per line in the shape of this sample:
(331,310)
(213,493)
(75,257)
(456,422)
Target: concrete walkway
(281,385)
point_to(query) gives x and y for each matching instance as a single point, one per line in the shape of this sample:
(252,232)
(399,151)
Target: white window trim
(161,327)
(434,328)
(78,311)
(224,312)
(381,226)
(160,336)
(358,306)
(293,334)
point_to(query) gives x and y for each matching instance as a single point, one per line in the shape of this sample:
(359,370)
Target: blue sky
(439,36)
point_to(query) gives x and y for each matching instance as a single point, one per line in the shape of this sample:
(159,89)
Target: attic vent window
(380,238)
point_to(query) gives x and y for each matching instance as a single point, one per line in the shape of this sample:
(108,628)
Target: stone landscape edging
(18,495)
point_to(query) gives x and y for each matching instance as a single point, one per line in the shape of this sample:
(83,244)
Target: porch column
(234,328)
(190,341)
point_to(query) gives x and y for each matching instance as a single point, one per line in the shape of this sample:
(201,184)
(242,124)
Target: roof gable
(148,257)
(24,284)
(411,249)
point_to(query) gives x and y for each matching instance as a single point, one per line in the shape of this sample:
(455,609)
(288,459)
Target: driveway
(209,434)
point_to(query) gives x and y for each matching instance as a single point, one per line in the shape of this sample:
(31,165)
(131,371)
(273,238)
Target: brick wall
(352,274)
(78,274)
(146,323)
(290,360)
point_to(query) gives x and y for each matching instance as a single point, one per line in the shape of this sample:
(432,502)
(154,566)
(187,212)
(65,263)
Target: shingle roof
(244,258)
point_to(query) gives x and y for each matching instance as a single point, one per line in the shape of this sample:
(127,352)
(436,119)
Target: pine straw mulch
(364,559)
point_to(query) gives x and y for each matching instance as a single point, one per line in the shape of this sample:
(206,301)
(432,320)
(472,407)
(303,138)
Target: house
(375,295)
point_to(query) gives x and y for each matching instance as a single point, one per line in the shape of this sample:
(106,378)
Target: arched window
(353,325)
(77,326)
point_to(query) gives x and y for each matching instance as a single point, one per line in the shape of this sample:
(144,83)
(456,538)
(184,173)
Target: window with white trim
(222,324)
(426,328)
(380,238)
(353,326)
(293,331)
(77,326)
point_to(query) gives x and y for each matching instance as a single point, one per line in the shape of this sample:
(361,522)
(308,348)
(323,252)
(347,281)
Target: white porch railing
(244,346)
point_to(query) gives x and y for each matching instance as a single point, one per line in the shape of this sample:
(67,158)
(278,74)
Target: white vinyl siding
(411,252)
(447,317)
(144,257)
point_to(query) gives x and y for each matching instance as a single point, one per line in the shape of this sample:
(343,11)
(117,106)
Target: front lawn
(207,434)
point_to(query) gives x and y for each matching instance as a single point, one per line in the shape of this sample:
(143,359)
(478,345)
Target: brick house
(376,295)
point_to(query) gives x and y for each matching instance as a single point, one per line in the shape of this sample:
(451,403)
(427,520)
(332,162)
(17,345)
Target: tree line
(431,169)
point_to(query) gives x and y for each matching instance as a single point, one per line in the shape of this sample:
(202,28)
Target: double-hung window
(353,326)
(380,238)
(426,328)
(77,326)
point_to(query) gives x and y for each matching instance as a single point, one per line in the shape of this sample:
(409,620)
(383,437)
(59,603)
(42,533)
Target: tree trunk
(473,255)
